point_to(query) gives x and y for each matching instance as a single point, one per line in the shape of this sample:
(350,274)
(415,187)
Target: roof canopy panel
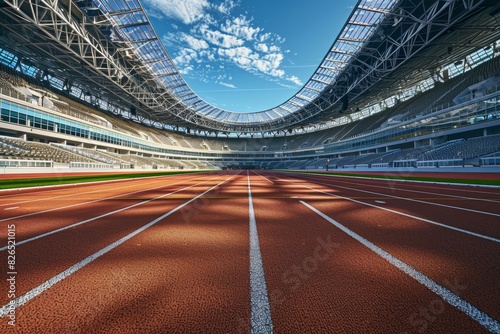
(132,27)
(382,43)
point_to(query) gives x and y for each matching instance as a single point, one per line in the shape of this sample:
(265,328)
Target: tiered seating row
(39,151)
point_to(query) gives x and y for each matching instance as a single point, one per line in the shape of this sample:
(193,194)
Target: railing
(14,94)
(441,163)
(15,163)
(380,165)
(404,163)
(490,161)
(89,165)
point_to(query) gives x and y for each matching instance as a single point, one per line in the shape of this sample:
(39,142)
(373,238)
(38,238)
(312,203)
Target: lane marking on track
(265,178)
(261,321)
(71,185)
(406,215)
(73,193)
(445,196)
(93,201)
(26,297)
(18,243)
(408,199)
(451,298)
(380,202)
(14,207)
(486,186)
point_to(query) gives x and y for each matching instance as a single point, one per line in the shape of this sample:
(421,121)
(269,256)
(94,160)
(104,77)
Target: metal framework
(110,50)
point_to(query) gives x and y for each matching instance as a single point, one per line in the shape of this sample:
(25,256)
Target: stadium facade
(404,84)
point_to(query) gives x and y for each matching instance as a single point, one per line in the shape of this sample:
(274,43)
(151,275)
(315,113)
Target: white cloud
(186,70)
(264,37)
(227,84)
(276,73)
(194,43)
(241,56)
(186,11)
(274,59)
(262,47)
(214,39)
(295,80)
(268,68)
(169,39)
(218,38)
(241,51)
(280,39)
(209,54)
(226,7)
(240,27)
(156,14)
(184,57)
(242,62)
(251,61)
(274,48)
(262,65)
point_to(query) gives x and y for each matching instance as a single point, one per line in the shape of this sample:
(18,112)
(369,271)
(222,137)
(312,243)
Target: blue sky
(247,55)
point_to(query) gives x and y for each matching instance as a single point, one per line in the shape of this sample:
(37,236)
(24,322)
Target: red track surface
(189,271)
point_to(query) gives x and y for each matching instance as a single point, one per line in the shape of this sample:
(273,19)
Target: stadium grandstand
(367,202)
(404,83)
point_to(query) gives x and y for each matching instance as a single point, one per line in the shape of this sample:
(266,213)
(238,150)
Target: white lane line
(14,207)
(408,199)
(380,202)
(46,189)
(265,178)
(73,193)
(26,297)
(18,243)
(93,201)
(451,298)
(418,182)
(406,215)
(261,321)
(428,192)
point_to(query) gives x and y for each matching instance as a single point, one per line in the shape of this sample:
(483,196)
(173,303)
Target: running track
(251,252)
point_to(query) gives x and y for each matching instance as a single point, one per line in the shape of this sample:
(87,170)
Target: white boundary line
(93,182)
(261,321)
(26,297)
(265,178)
(451,298)
(93,201)
(18,243)
(405,214)
(394,179)
(408,199)
(65,195)
(432,193)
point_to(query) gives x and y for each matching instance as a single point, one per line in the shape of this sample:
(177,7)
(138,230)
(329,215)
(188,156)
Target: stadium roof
(111,49)
(133,28)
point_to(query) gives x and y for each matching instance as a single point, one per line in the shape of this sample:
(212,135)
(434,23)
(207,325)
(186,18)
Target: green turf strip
(48,181)
(410,178)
